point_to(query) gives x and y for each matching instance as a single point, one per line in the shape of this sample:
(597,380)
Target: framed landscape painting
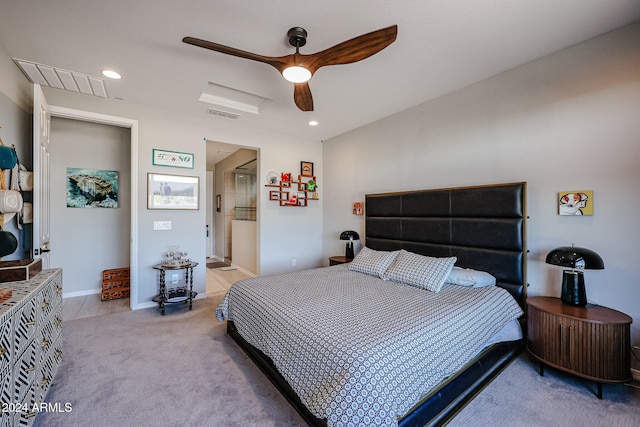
(92,188)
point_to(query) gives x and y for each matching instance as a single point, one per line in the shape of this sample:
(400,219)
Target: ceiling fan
(298,68)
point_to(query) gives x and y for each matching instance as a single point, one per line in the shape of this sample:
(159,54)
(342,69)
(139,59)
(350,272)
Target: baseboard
(148,304)
(636,374)
(81,293)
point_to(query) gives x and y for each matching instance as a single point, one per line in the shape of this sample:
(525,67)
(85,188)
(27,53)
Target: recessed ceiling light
(111,74)
(313,123)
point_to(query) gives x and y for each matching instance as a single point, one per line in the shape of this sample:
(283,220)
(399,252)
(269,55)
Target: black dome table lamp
(573,290)
(350,236)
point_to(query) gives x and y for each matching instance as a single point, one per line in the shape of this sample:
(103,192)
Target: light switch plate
(162,225)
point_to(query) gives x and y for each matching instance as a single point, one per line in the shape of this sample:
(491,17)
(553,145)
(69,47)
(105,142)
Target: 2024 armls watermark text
(36,407)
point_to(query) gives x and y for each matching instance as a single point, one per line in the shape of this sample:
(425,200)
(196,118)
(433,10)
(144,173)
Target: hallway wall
(86,241)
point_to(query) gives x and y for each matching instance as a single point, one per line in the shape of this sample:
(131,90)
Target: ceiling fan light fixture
(347,52)
(296,74)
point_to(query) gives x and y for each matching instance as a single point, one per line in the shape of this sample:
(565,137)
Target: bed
(346,345)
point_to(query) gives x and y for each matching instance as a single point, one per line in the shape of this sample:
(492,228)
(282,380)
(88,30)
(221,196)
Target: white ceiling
(442,46)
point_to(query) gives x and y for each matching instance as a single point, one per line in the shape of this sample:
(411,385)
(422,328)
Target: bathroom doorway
(233,192)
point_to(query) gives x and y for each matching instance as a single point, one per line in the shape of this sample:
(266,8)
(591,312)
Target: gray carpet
(139,368)
(143,369)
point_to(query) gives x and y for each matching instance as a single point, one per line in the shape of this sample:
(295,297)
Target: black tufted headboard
(484,226)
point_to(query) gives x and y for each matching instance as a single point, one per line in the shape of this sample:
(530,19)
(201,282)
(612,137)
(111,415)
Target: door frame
(132,125)
(210,225)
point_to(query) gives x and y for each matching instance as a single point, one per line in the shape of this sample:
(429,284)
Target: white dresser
(30,346)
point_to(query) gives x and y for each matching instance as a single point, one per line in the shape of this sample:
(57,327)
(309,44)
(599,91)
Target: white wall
(178,132)
(13,84)
(284,234)
(87,241)
(567,121)
(288,233)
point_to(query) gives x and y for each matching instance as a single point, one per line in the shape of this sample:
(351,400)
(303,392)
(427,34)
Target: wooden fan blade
(302,96)
(277,63)
(353,50)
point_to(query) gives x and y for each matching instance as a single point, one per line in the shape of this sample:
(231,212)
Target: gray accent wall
(86,241)
(569,121)
(16,130)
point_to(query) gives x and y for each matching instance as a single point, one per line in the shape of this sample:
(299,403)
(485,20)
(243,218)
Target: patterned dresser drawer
(6,341)
(24,371)
(30,345)
(26,324)
(6,397)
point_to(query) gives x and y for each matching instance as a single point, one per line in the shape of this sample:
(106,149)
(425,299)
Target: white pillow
(468,277)
(372,262)
(421,271)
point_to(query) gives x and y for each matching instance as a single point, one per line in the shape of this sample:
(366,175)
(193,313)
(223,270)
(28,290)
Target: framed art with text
(173,159)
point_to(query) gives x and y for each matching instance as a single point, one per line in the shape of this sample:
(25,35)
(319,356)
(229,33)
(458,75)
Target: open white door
(41,204)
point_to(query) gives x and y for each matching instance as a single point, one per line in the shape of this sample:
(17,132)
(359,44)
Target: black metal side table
(180,294)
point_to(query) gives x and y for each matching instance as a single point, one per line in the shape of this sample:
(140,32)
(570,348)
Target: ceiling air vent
(46,75)
(232,99)
(225,114)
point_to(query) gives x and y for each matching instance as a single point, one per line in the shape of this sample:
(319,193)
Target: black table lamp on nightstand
(350,236)
(573,290)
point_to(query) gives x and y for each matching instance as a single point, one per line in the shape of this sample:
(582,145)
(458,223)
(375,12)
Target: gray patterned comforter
(359,350)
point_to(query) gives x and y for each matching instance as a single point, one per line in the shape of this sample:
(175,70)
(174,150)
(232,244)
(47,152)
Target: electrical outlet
(174,279)
(293,262)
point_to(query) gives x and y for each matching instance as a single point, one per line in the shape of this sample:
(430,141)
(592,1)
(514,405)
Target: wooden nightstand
(335,260)
(592,342)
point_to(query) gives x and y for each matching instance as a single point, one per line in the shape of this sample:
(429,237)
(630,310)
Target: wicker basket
(115,284)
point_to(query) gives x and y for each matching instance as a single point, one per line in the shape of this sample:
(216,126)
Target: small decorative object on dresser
(592,342)
(573,290)
(23,269)
(5,294)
